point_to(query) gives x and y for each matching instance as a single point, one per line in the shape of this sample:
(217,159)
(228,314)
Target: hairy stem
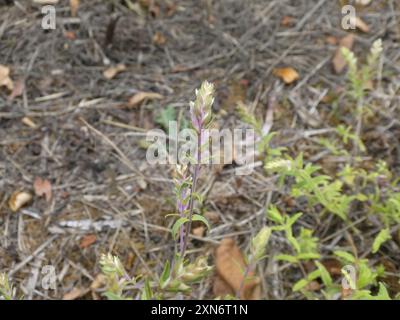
(245,275)
(192,191)
(360,111)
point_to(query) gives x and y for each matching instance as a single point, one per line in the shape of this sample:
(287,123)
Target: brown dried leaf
(237,94)
(363,2)
(74,5)
(361,25)
(74,294)
(98,281)
(43,2)
(87,241)
(151,6)
(313,286)
(212,216)
(42,188)
(346,292)
(111,72)
(18,89)
(70,35)
(171,9)
(199,231)
(369,85)
(331,40)
(18,199)
(339,63)
(5,80)
(288,75)
(221,288)
(141,96)
(159,39)
(287,21)
(333,266)
(29,122)
(230,266)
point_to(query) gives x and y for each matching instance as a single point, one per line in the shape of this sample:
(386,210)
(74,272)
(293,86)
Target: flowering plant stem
(195,175)
(246,273)
(201,116)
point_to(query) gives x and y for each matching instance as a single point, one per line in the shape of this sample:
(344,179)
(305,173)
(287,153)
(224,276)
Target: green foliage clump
(7,292)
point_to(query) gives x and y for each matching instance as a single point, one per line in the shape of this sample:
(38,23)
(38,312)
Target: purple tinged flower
(200,109)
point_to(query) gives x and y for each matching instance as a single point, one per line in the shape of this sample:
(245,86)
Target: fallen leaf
(361,25)
(87,241)
(346,292)
(111,72)
(236,93)
(74,294)
(171,9)
(151,7)
(339,63)
(287,21)
(5,80)
(74,5)
(313,286)
(18,199)
(221,288)
(288,75)
(390,277)
(331,40)
(212,216)
(142,184)
(230,266)
(98,281)
(199,231)
(42,188)
(369,85)
(141,96)
(18,89)
(43,2)
(28,122)
(180,68)
(333,266)
(363,2)
(70,35)
(159,39)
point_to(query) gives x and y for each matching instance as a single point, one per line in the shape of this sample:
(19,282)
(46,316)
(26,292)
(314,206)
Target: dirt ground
(73,126)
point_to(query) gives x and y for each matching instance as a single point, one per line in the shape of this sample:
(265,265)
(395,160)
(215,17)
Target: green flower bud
(259,243)
(200,109)
(111,265)
(196,271)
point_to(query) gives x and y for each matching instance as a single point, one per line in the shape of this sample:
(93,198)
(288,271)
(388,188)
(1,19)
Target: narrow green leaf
(165,117)
(325,276)
(348,257)
(112,296)
(147,293)
(165,274)
(300,285)
(383,293)
(197,217)
(286,257)
(178,223)
(308,256)
(381,238)
(274,214)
